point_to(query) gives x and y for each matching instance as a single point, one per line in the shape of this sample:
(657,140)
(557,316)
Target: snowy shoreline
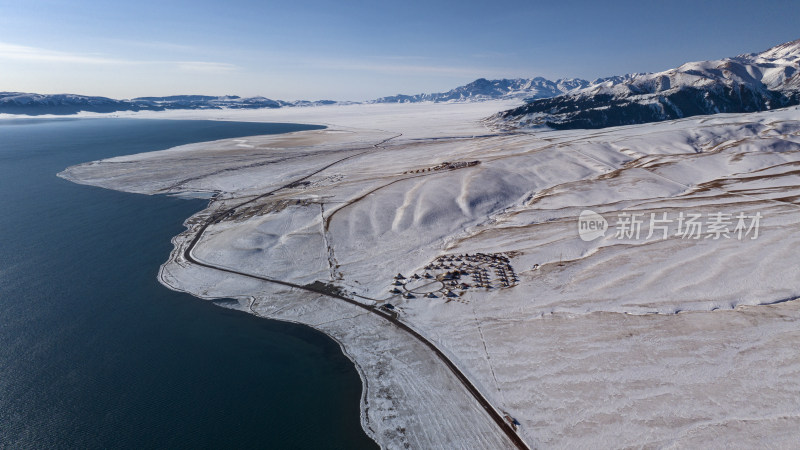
(379,404)
(587,345)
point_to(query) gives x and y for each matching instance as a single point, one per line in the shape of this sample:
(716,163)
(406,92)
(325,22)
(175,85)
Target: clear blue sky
(355,50)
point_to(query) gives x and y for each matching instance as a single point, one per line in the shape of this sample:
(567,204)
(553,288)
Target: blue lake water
(95,353)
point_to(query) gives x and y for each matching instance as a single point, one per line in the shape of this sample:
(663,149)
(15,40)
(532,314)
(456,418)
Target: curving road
(319,289)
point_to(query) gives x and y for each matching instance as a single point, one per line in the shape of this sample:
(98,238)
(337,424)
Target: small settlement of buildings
(445,166)
(451,277)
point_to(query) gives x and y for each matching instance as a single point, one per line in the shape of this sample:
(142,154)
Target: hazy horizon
(357,51)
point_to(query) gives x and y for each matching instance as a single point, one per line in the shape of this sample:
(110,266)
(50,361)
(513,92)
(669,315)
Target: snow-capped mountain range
(483,89)
(750,82)
(479,90)
(745,83)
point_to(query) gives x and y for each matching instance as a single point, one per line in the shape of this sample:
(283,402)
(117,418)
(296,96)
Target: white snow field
(660,340)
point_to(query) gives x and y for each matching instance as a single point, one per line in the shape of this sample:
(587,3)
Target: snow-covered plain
(608,343)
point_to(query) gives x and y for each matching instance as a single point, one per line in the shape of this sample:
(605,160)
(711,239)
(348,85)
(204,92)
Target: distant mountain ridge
(478,90)
(483,89)
(65,104)
(744,83)
(527,89)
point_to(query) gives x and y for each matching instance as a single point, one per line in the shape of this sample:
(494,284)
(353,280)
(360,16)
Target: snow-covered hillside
(745,83)
(647,339)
